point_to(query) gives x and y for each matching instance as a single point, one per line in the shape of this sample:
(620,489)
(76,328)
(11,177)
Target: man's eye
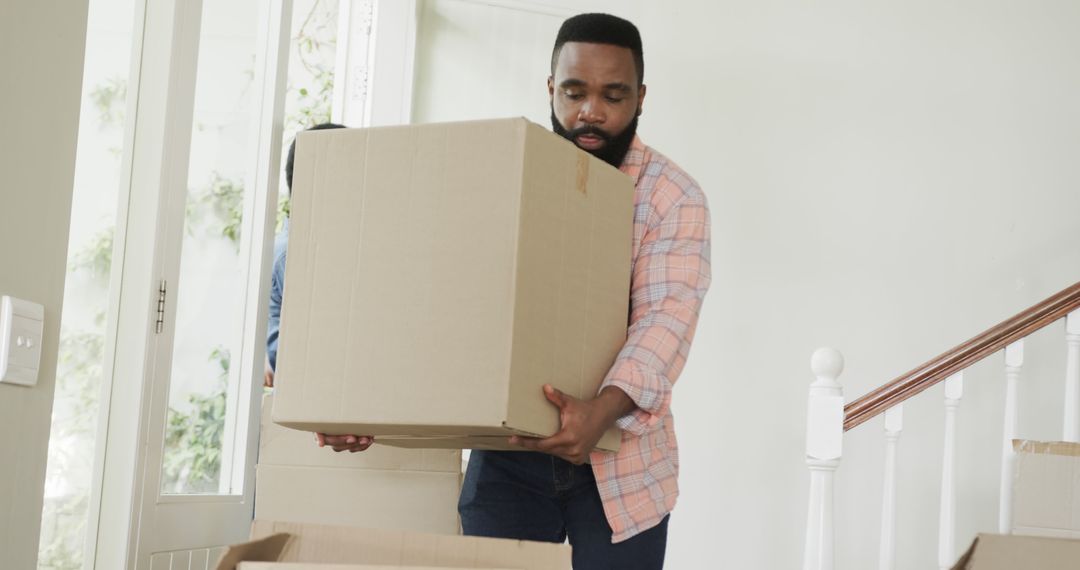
(613,99)
(574,95)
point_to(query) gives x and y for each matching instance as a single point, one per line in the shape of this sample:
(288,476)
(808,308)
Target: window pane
(211,284)
(86,293)
(212,272)
(310,82)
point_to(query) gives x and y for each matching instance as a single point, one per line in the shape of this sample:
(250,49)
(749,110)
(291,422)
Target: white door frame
(129,519)
(373,75)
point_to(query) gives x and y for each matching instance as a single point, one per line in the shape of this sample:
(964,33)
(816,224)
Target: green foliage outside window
(79,372)
(198,429)
(95,255)
(223,199)
(193,438)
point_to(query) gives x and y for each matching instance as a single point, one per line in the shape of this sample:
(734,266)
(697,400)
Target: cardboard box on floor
(382,487)
(275,541)
(439,275)
(1046,489)
(1011,552)
(311,566)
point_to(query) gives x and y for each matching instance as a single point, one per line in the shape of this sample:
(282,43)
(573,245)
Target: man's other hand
(268,374)
(583,423)
(350,443)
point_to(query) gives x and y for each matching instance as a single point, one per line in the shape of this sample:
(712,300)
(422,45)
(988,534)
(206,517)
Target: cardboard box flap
(1010,552)
(315,566)
(1063,448)
(348,545)
(266,549)
(966,558)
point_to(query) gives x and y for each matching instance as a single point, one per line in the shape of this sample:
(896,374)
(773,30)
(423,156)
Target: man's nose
(591,113)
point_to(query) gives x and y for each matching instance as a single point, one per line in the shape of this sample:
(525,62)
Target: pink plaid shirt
(670,274)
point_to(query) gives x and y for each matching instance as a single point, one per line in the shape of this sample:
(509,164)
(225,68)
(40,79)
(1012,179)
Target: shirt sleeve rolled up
(671,274)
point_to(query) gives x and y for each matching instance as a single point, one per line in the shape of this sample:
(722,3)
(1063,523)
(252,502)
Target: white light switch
(21,326)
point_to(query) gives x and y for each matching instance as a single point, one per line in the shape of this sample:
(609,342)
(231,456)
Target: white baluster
(894,424)
(1072,377)
(954,390)
(824,447)
(1014,360)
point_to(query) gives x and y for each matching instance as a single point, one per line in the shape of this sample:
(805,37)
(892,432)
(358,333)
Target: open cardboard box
(439,275)
(1011,552)
(311,546)
(307,566)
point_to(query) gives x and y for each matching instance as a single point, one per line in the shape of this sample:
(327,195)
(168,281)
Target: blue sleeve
(277,287)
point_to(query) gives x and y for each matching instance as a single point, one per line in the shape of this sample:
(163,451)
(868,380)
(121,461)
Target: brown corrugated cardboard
(279,445)
(439,275)
(267,548)
(314,566)
(1008,552)
(318,544)
(1046,489)
(405,500)
(491,442)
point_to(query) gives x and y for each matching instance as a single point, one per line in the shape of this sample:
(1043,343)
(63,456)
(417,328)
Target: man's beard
(615,146)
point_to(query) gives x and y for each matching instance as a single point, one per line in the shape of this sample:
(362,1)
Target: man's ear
(640,99)
(551,87)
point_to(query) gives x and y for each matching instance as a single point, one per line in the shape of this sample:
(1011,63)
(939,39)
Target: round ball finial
(827,364)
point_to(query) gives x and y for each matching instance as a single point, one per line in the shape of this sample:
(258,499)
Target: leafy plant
(65,550)
(79,375)
(192,461)
(315,38)
(223,199)
(109,99)
(95,255)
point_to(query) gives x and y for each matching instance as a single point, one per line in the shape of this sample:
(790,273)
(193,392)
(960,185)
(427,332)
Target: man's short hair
(292,151)
(601,29)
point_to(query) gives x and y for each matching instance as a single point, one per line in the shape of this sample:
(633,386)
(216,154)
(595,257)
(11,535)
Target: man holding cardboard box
(613,507)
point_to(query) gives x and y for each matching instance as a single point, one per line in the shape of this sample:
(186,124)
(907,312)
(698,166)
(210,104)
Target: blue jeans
(535,496)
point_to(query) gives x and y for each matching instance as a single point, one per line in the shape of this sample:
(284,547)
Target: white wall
(885,178)
(41,57)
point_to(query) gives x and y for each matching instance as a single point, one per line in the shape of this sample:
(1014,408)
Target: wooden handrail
(961,357)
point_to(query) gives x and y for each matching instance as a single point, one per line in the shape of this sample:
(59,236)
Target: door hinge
(160,325)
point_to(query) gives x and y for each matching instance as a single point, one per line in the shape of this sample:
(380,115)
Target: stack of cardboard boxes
(438,276)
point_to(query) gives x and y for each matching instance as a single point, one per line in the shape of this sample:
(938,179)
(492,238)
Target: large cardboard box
(1046,489)
(1010,552)
(382,487)
(440,275)
(275,541)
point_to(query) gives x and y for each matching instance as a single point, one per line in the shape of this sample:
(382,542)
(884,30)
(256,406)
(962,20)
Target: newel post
(824,439)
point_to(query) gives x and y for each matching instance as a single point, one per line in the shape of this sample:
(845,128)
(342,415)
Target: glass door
(199,201)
